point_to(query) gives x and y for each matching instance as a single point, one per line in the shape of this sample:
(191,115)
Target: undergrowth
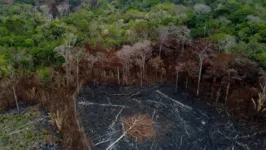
(22,132)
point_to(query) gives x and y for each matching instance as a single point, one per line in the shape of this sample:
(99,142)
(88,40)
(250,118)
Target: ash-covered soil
(179,123)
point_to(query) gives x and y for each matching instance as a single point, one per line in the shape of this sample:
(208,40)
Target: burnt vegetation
(70,49)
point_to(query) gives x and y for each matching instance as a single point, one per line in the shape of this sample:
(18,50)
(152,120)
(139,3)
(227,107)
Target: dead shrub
(259,106)
(139,127)
(56,96)
(57,119)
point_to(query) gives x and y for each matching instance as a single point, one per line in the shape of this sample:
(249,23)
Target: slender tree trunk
(218,95)
(91,71)
(161,45)
(161,77)
(156,74)
(104,74)
(16,99)
(205,28)
(127,76)
(143,71)
(227,92)
(186,82)
(78,76)
(183,45)
(124,76)
(67,74)
(68,67)
(199,78)
(213,88)
(141,76)
(176,82)
(146,71)
(118,75)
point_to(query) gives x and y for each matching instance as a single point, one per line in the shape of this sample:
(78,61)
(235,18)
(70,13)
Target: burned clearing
(176,122)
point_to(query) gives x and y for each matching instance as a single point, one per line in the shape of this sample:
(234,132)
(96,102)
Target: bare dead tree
(118,75)
(203,49)
(226,43)
(202,55)
(163,72)
(71,40)
(78,54)
(143,51)
(137,126)
(156,63)
(182,34)
(91,60)
(102,57)
(218,94)
(231,76)
(191,69)
(65,52)
(259,105)
(179,68)
(219,65)
(125,56)
(13,81)
(164,34)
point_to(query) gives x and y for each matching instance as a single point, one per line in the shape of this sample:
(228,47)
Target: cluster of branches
(138,127)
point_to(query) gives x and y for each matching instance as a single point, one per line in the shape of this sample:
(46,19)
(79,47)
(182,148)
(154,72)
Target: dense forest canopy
(32,29)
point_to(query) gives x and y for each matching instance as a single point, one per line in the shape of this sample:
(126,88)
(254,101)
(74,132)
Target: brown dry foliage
(139,127)
(57,97)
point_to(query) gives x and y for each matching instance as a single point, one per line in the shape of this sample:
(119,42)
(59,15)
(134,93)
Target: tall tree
(78,53)
(191,69)
(143,51)
(219,65)
(91,60)
(12,78)
(157,64)
(179,68)
(181,34)
(202,56)
(203,49)
(163,36)
(65,51)
(125,56)
(227,80)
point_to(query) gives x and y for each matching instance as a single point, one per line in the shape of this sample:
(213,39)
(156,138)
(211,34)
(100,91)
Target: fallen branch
(131,94)
(104,105)
(175,101)
(137,127)
(124,134)
(135,94)
(116,141)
